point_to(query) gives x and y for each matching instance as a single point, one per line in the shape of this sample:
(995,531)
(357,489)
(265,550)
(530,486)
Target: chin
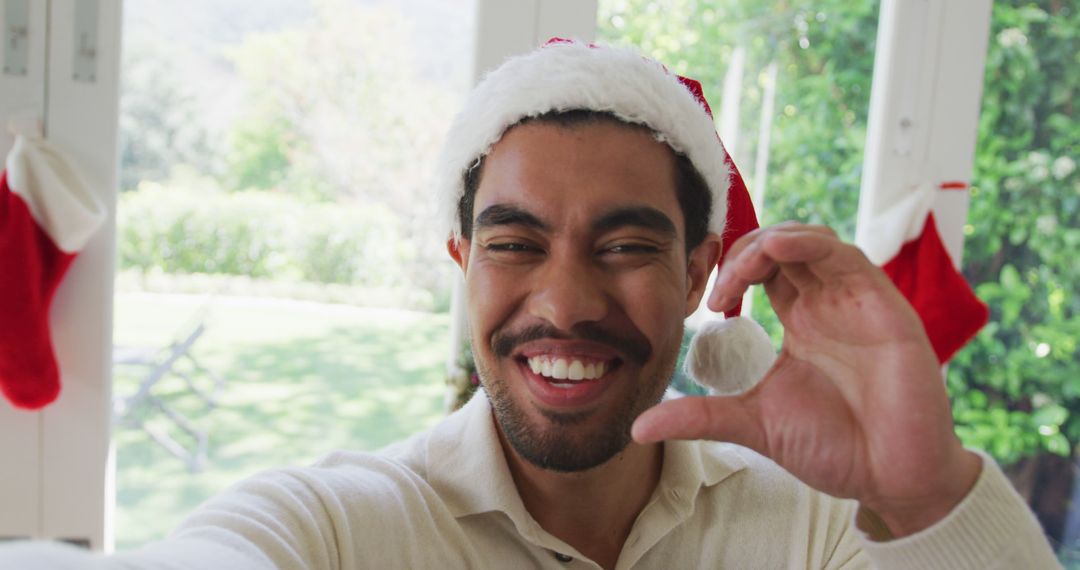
(568,440)
(563,441)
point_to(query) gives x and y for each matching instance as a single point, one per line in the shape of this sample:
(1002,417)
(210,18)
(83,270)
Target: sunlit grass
(301,379)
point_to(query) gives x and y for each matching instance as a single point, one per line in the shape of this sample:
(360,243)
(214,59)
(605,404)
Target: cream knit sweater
(445,499)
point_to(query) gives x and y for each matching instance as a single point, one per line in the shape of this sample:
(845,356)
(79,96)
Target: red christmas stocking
(46,216)
(949,309)
(902,238)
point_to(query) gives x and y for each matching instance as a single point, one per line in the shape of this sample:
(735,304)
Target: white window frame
(57,466)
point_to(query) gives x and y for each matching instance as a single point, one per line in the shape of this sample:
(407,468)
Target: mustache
(636,348)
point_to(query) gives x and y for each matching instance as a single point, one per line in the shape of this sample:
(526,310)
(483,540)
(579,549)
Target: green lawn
(301,379)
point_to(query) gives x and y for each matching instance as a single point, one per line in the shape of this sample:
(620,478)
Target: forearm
(269,521)
(166,555)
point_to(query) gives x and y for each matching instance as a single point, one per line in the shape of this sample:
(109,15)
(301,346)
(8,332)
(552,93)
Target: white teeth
(562,369)
(558,370)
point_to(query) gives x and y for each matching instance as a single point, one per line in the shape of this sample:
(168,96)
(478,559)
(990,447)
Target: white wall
(20,432)
(56,470)
(509,27)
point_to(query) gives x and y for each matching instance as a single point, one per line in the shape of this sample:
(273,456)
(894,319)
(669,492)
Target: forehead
(579,171)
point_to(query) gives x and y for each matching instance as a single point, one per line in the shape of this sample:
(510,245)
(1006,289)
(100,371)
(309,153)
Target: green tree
(338,94)
(1016,389)
(160,125)
(336,110)
(824,52)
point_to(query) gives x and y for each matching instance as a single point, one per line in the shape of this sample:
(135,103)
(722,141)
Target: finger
(782,293)
(734,419)
(750,266)
(825,256)
(747,263)
(761,233)
(721,301)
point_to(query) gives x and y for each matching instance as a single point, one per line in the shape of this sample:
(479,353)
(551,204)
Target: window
(789,83)
(277,295)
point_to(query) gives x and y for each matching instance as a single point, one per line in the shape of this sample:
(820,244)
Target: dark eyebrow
(503,215)
(640,216)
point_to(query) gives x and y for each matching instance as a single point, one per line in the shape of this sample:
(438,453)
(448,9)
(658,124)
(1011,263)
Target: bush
(1016,389)
(350,246)
(257,234)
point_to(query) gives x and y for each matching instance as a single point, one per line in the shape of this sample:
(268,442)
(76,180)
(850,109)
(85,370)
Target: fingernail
(722,274)
(640,431)
(719,301)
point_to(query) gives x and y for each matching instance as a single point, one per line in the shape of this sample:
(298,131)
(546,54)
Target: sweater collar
(466,465)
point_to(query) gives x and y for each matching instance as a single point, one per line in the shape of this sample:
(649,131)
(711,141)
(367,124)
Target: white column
(56,470)
(761,162)
(731,102)
(509,27)
(924,107)
(22,92)
(83,116)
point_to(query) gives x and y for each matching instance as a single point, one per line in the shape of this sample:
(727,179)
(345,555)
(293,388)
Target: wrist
(909,516)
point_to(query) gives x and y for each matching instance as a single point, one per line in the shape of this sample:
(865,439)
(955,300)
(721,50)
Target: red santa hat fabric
(567,75)
(47,214)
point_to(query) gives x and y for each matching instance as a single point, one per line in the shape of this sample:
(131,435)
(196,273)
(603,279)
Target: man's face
(578,282)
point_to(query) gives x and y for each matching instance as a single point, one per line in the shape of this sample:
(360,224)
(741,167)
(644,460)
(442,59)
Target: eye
(511,247)
(513,250)
(631,248)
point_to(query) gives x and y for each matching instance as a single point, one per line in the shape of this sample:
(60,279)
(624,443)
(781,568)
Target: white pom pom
(729,356)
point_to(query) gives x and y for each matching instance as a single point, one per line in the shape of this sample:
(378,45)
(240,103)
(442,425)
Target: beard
(572,441)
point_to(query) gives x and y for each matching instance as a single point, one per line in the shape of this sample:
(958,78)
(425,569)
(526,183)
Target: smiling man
(573,292)
(587,199)
(578,276)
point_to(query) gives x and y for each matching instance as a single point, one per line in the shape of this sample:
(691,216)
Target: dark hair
(691,190)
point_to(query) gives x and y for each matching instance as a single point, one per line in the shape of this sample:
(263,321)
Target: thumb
(733,419)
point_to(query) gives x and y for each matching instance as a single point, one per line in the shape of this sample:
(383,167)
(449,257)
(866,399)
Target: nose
(565,292)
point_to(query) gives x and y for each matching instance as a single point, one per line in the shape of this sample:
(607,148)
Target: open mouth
(568,371)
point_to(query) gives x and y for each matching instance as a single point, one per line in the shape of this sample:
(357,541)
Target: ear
(699,266)
(458,248)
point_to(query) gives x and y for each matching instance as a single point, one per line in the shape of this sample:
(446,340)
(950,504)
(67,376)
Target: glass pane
(1013,388)
(789,88)
(277,294)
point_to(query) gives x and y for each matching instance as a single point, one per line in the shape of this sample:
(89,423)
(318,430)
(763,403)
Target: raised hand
(855,405)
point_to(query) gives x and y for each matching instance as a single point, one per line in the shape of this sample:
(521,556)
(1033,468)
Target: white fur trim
(569,76)
(893,226)
(61,203)
(729,356)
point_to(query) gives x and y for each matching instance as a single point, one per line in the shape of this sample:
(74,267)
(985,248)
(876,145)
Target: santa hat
(729,355)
